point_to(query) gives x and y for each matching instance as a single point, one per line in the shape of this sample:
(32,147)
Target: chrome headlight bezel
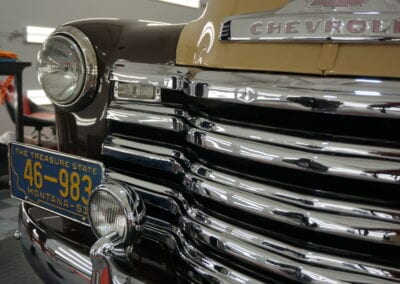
(88,54)
(131,204)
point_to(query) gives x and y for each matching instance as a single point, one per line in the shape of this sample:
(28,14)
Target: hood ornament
(319,20)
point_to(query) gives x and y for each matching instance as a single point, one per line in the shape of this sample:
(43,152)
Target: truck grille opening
(290,177)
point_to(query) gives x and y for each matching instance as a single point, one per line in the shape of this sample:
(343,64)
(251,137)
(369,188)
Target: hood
(320,37)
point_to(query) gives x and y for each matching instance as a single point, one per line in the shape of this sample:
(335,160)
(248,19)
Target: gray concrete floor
(13,266)
(8,210)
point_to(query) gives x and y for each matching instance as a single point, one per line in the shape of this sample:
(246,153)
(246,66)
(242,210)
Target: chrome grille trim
(163,76)
(381,229)
(207,267)
(302,200)
(147,119)
(321,213)
(358,168)
(360,97)
(324,157)
(298,143)
(275,256)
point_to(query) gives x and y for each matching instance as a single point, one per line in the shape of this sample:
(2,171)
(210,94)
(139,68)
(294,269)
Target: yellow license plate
(52,180)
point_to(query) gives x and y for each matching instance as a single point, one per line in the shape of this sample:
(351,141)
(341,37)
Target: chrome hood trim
(355,97)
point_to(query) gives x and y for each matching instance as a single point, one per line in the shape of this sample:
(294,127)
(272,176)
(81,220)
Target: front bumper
(57,261)
(162,254)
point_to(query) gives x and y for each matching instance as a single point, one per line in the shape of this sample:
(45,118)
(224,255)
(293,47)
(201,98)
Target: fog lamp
(116,207)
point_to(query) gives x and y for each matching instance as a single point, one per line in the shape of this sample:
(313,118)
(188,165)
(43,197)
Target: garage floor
(13,266)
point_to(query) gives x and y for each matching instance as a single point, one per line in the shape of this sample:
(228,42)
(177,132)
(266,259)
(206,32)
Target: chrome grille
(189,162)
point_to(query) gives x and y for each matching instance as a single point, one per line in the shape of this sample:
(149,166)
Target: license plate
(52,180)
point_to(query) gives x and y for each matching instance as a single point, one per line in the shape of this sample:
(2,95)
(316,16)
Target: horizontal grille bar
(337,159)
(384,228)
(365,97)
(274,256)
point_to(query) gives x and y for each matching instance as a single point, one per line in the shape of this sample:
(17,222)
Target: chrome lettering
(396,28)
(333,25)
(357,26)
(312,27)
(291,27)
(377,26)
(256,28)
(320,20)
(271,28)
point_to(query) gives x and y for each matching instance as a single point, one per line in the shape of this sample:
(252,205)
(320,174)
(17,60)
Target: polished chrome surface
(162,76)
(102,255)
(319,20)
(265,252)
(180,121)
(374,170)
(65,264)
(305,201)
(131,204)
(324,157)
(60,262)
(211,270)
(147,119)
(328,95)
(90,61)
(356,97)
(297,142)
(384,228)
(196,138)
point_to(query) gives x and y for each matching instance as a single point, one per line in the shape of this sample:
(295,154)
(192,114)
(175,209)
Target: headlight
(114,207)
(67,68)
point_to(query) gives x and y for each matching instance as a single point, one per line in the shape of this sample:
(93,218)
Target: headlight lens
(67,68)
(61,69)
(107,215)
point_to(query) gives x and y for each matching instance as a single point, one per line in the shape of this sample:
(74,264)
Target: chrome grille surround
(355,220)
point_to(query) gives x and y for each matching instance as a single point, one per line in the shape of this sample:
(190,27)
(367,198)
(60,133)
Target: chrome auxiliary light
(116,208)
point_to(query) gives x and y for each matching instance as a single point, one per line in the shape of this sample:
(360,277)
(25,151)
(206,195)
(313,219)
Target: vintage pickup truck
(257,144)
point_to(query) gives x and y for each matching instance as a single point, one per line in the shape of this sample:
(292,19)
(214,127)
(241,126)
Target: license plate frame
(42,177)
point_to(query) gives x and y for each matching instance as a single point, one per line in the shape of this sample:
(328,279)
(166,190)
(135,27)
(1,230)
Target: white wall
(15,15)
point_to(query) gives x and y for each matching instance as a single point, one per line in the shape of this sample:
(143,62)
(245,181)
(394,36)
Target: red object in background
(5,88)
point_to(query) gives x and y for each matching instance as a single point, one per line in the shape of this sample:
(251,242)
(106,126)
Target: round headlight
(115,207)
(67,68)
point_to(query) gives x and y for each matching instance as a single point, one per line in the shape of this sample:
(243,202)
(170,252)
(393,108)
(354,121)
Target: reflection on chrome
(360,168)
(205,42)
(147,119)
(312,210)
(180,120)
(146,74)
(85,265)
(268,253)
(357,221)
(366,97)
(84,121)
